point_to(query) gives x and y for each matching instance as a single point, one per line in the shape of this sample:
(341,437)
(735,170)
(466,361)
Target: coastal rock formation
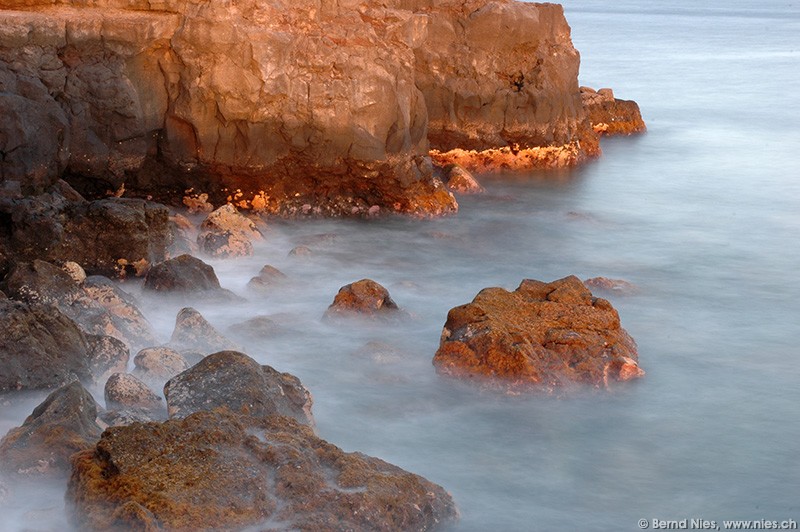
(193,333)
(364,298)
(123,391)
(62,425)
(106,237)
(107,356)
(282,107)
(610,116)
(542,335)
(156,365)
(219,471)
(234,380)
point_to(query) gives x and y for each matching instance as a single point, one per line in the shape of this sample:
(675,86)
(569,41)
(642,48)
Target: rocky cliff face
(309,106)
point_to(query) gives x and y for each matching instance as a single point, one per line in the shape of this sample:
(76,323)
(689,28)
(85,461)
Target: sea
(701,214)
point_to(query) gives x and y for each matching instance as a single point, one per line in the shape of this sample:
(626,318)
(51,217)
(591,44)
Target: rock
(74,270)
(107,355)
(460,180)
(380,353)
(193,332)
(184,236)
(227,219)
(234,380)
(224,245)
(542,335)
(124,391)
(215,470)
(610,116)
(125,321)
(615,286)
(300,251)
(364,298)
(257,328)
(41,282)
(268,278)
(128,416)
(319,239)
(105,237)
(40,347)
(156,365)
(62,425)
(185,275)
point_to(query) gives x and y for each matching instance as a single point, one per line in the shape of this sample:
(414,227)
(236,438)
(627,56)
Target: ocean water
(702,213)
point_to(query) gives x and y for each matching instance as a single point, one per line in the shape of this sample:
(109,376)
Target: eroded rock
(234,380)
(364,298)
(107,355)
(611,116)
(193,332)
(62,425)
(216,470)
(123,391)
(542,335)
(459,179)
(156,365)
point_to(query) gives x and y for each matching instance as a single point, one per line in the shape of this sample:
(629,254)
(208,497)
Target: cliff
(309,106)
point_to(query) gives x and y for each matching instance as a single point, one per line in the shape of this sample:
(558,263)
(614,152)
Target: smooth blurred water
(702,213)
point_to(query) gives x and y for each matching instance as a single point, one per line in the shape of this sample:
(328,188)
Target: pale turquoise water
(702,213)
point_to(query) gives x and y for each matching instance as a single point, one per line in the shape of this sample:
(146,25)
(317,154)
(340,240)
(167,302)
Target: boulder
(186,275)
(267,279)
(610,116)
(257,328)
(105,237)
(193,333)
(123,319)
(40,347)
(41,282)
(156,365)
(123,391)
(219,471)
(224,244)
(107,355)
(75,271)
(300,252)
(364,298)
(227,219)
(60,426)
(542,335)
(460,180)
(234,380)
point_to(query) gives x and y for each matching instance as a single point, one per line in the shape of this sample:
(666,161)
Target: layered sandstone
(306,107)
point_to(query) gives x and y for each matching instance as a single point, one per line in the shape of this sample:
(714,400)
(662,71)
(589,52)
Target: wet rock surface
(60,426)
(542,335)
(156,365)
(185,276)
(194,333)
(40,347)
(217,470)
(234,380)
(107,356)
(123,391)
(366,299)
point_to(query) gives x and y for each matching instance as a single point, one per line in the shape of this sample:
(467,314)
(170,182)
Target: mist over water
(702,213)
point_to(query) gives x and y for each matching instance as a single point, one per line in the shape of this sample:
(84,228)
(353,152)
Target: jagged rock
(234,380)
(216,470)
(364,298)
(62,425)
(193,332)
(615,286)
(156,365)
(125,321)
(107,355)
(124,391)
(460,180)
(268,278)
(40,347)
(610,116)
(257,328)
(105,237)
(543,335)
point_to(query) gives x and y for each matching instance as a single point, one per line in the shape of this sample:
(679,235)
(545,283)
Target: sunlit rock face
(302,107)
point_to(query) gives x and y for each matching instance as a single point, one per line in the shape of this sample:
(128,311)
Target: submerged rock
(364,298)
(216,470)
(541,335)
(257,328)
(267,279)
(234,380)
(616,286)
(193,333)
(62,425)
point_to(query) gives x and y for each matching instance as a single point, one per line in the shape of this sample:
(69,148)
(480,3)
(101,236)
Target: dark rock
(124,391)
(62,425)
(216,470)
(124,320)
(193,332)
(41,282)
(364,298)
(236,381)
(156,365)
(40,347)
(105,237)
(181,274)
(300,251)
(541,335)
(267,279)
(257,328)
(107,356)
